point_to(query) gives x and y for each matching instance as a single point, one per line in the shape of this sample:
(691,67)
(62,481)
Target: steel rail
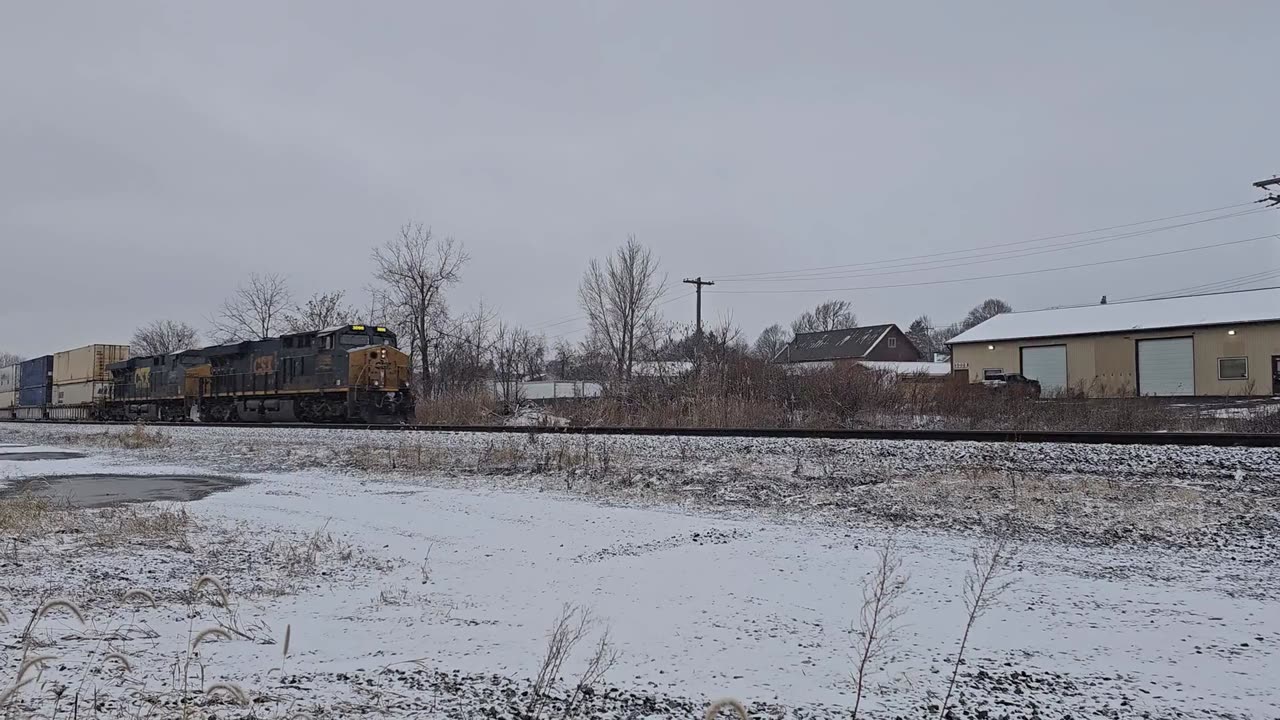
(1206,439)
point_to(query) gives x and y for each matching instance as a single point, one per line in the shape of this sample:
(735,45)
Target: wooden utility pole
(698,282)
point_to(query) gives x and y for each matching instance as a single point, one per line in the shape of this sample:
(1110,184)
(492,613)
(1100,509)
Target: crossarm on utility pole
(698,283)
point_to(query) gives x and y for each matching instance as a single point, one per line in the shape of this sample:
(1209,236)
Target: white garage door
(1166,367)
(1048,365)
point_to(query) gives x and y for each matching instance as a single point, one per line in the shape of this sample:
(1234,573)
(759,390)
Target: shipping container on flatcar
(87,364)
(34,387)
(81,381)
(9,377)
(35,372)
(79,401)
(8,391)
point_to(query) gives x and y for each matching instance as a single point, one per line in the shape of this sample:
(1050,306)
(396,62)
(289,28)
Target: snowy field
(418,575)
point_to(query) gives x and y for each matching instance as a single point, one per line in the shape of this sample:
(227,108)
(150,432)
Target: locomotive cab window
(354,340)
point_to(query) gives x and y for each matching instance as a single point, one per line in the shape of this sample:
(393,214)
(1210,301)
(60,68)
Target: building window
(893,342)
(1235,368)
(992,373)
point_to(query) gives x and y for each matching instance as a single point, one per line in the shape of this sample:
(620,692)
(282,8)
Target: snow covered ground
(418,575)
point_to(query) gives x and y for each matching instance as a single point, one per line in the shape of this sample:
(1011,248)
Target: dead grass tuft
(208,581)
(238,695)
(139,437)
(7,694)
(301,557)
(118,658)
(23,514)
(140,595)
(32,662)
(726,704)
(63,604)
(213,633)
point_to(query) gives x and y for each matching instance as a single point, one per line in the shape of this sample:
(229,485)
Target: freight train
(340,374)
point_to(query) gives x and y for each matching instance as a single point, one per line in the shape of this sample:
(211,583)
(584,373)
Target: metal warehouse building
(1218,344)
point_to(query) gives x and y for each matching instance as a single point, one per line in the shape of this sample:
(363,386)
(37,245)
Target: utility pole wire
(997,245)
(983,258)
(1000,275)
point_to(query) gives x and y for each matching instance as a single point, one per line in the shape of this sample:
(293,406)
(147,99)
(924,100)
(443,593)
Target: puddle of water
(95,491)
(42,455)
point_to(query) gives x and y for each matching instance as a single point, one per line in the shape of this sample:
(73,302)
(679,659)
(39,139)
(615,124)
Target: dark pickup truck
(1013,384)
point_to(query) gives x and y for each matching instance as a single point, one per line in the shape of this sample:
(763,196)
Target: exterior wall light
(993,347)
(1231,332)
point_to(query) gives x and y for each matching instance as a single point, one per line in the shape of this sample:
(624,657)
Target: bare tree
(943,335)
(517,354)
(321,310)
(161,337)
(620,298)
(7,358)
(987,579)
(255,312)
(984,311)
(830,315)
(771,342)
(463,348)
(923,336)
(724,340)
(415,269)
(882,592)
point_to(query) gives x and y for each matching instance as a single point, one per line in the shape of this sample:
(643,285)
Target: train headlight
(384,352)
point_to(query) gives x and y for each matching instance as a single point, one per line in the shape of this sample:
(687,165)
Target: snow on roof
(1228,308)
(854,342)
(941,369)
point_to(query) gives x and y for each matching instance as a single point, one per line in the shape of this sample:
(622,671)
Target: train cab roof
(358,328)
(183,357)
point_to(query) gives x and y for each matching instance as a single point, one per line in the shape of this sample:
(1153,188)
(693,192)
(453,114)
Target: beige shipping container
(84,393)
(8,399)
(87,363)
(8,378)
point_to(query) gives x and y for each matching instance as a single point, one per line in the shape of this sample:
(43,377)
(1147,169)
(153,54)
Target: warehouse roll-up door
(1048,365)
(1166,367)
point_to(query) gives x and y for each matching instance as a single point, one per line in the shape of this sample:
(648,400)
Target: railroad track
(987,436)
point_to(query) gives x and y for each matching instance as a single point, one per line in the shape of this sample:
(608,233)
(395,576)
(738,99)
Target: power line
(668,301)
(983,247)
(553,323)
(999,275)
(1008,254)
(1224,284)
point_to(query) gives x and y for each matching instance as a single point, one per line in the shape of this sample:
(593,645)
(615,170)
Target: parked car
(1013,384)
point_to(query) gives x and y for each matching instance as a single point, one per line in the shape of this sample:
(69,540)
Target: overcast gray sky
(153,154)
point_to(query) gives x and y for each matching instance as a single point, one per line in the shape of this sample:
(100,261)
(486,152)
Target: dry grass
(29,515)
(300,557)
(1091,504)
(24,514)
(459,408)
